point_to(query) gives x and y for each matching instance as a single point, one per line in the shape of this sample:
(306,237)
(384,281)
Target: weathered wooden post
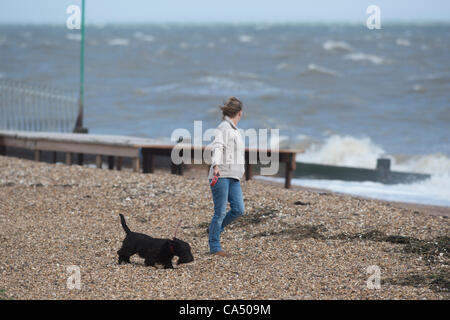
(110,162)
(69,158)
(177,168)
(37,155)
(98,161)
(148,161)
(119,163)
(136,161)
(384,168)
(384,164)
(248,166)
(290,167)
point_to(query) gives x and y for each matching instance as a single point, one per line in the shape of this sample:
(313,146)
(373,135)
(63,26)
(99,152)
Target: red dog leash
(214,180)
(172,250)
(175,234)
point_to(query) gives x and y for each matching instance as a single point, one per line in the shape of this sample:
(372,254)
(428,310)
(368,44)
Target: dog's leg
(168,265)
(149,262)
(123,257)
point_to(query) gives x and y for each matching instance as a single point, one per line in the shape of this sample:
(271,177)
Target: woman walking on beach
(228,159)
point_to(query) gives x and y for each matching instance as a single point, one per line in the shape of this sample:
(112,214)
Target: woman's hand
(216,170)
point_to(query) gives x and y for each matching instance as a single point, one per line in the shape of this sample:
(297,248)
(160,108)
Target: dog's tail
(124,224)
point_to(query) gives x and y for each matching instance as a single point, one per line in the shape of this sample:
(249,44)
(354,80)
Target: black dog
(153,250)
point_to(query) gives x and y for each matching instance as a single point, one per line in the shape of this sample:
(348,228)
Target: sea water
(345,94)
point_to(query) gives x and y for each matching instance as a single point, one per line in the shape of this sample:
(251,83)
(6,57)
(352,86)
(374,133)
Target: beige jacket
(228,151)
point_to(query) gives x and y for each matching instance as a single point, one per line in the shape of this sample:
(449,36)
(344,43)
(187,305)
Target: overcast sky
(206,11)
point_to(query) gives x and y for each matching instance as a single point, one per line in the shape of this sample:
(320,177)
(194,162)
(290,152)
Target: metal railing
(35,107)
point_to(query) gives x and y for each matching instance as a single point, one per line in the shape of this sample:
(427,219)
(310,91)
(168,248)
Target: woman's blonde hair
(231,107)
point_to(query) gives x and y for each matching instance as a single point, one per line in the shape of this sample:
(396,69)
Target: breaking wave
(73,36)
(365,57)
(119,42)
(316,69)
(363,153)
(336,46)
(350,151)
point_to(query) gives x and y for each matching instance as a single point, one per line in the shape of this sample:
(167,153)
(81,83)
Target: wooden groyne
(115,148)
(382,173)
(143,152)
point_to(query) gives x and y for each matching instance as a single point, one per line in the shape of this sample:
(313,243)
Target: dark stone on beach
(297,232)
(398,239)
(437,282)
(257,216)
(8,184)
(300,203)
(37,185)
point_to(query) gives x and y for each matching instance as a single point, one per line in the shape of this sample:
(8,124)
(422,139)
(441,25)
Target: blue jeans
(226,189)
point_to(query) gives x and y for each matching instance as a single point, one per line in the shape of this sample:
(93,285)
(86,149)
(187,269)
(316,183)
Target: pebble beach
(290,244)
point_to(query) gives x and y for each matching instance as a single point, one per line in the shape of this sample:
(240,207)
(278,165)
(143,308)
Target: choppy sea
(346,94)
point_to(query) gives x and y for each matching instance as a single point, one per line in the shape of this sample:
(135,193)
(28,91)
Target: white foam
(282,66)
(434,77)
(119,42)
(216,84)
(343,151)
(436,164)
(148,38)
(365,57)
(363,153)
(418,88)
(302,142)
(144,37)
(313,68)
(336,46)
(435,191)
(245,38)
(73,36)
(403,42)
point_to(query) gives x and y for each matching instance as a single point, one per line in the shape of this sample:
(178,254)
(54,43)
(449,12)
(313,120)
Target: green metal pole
(79,123)
(82,57)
